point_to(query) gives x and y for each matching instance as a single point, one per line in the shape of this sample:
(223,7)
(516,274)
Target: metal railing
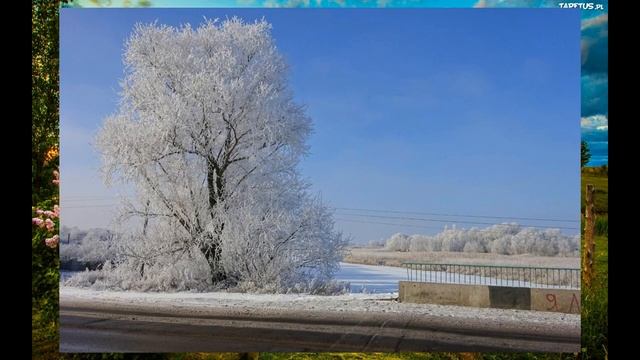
(510,276)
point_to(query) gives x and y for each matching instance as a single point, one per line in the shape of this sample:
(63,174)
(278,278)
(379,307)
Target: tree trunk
(211,249)
(212,252)
(211,180)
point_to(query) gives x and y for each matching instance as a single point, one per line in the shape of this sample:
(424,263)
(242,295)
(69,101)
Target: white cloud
(298,3)
(594,21)
(597,122)
(481,4)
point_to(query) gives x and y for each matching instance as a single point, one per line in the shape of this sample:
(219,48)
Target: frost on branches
(208,133)
(505,239)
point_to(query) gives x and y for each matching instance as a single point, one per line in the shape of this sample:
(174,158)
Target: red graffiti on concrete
(574,300)
(552,299)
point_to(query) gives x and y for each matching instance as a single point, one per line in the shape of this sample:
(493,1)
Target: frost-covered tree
(88,246)
(208,133)
(398,242)
(505,239)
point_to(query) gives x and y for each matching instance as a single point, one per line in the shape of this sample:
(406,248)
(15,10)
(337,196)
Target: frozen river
(371,278)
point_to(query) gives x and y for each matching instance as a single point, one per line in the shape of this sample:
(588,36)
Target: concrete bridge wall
(556,300)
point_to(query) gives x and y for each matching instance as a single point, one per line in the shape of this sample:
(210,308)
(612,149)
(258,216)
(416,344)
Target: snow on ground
(345,304)
(373,289)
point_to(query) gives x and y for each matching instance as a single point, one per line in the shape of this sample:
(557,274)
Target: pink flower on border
(56,210)
(52,241)
(49,224)
(39,211)
(38,222)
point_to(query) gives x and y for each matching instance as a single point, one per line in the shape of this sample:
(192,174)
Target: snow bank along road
(109,321)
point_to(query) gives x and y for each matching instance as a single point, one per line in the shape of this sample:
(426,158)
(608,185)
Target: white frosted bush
(419,243)
(398,242)
(88,246)
(505,239)
(452,240)
(474,247)
(501,245)
(186,273)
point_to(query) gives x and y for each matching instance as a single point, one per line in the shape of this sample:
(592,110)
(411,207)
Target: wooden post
(589,243)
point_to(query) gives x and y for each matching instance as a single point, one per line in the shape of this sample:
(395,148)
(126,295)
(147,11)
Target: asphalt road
(113,329)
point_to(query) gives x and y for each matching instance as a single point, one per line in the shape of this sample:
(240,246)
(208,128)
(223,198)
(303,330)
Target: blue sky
(436,111)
